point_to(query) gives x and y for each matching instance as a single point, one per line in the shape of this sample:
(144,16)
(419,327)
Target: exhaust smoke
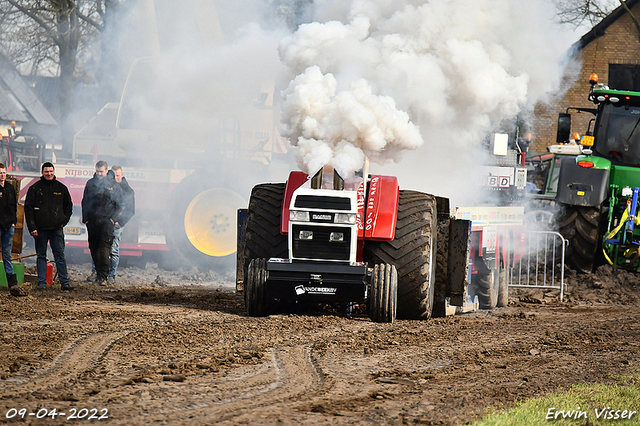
(340,128)
(456,69)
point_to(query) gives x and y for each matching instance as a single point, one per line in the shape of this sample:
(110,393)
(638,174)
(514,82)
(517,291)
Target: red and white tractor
(346,242)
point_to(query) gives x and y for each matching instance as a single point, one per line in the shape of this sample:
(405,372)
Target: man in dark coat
(128,210)
(8,219)
(101,209)
(47,209)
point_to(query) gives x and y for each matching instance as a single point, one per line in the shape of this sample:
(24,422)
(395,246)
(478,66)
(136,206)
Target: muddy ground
(176,348)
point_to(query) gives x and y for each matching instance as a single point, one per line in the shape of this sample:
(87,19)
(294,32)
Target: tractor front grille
(320,247)
(322,202)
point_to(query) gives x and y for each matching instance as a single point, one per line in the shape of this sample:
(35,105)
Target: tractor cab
(617,132)
(323,218)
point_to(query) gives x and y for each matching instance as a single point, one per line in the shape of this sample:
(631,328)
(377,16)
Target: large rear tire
(201,226)
(255,299)
(485,286)
(580,226)
(412,252)
(384,293)
(262,234)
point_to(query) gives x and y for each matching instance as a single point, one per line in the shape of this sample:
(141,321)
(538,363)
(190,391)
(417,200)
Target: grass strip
(596,404)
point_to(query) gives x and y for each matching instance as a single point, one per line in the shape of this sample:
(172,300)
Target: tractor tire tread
(412,252)
(263,237)
(580,226)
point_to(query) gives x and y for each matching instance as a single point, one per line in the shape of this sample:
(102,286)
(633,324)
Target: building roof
(599,29)
(17,101)
(47,89)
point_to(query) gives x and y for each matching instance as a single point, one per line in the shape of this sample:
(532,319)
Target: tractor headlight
(305,235)
(336,237)
(298,216)
(348,218)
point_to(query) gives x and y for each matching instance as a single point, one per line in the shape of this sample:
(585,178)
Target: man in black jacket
(101,209)
(47,209)
(128,210)
(8,219)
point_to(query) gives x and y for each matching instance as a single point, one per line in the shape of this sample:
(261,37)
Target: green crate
(18,269)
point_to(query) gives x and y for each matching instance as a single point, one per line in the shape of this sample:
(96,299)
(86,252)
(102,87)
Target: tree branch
(100,8)
(37,19)
(90,21)
(576,12)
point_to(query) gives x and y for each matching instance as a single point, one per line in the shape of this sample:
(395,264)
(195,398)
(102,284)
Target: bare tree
(52,37)
(591,12)
(584,12)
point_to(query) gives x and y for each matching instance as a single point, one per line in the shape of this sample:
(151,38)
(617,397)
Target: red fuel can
(49,274)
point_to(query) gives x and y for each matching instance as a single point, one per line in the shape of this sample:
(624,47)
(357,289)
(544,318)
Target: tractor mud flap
(452,267)
(579,186)
(322,282)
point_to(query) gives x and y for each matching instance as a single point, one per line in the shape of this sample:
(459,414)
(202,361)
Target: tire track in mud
(296,374)
(290,375)
(81,356)
(293,380)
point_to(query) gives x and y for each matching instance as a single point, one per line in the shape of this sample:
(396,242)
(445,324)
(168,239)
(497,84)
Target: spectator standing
(48,208)
(8,219)
(128,210)
(101,209)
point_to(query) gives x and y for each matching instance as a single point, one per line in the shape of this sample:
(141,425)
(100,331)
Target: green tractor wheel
(580,226)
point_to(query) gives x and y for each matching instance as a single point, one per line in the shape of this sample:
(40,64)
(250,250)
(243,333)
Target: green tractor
(598,190)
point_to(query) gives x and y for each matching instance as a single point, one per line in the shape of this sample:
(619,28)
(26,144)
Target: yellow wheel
(200,218)
(210,221)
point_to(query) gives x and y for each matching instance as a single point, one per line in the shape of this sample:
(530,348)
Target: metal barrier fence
(542,265)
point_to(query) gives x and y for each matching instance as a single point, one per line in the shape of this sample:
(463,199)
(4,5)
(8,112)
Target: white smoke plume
(456,68)
(341,127)
(451,70)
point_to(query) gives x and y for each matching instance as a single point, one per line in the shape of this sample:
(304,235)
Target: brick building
(612,50)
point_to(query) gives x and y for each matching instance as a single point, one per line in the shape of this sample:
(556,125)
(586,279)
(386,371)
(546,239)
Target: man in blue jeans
(8,219)
(128,209)
(47,209)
